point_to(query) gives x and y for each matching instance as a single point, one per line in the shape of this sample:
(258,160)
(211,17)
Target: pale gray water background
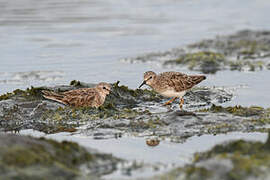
(53,42)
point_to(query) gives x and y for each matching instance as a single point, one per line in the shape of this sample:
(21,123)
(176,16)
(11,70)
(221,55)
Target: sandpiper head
(105,88)
(148,78)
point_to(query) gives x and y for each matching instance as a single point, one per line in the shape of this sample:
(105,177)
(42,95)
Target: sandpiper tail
(53,96)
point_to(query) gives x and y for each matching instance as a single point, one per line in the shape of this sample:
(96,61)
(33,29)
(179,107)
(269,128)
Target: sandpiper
(84,97)
(171,84)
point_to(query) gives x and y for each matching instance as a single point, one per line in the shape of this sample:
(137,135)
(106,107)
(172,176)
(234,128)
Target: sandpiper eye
(104,88)
(150,77)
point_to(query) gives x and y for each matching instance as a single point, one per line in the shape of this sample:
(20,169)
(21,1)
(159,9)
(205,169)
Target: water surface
(84,40)
(164,156)
(55,41)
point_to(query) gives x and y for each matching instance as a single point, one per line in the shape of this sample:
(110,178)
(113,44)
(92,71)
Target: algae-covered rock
(181,125)
(232,160)
(177,125)
(28,94)
(236,110)
(23,157)
(204,61)
(137,112)
(23,109)
(244,44)
(245,50)
(128,108)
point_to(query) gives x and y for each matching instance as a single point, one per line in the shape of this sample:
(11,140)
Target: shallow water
(165,156)
(78,40)
(53,42)
(249,88)
(135,148)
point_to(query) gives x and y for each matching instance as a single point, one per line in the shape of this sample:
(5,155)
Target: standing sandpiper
(171,84)
(84,97)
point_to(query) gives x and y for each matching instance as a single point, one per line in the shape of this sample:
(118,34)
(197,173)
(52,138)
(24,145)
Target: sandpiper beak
(144,82)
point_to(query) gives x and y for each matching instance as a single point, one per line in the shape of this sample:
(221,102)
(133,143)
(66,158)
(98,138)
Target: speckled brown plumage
(176,81)
(84,97)
(171,84)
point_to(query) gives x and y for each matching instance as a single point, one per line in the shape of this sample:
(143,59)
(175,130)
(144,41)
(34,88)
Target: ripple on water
(30,76)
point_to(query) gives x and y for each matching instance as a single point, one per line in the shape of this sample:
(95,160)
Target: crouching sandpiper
(84,97)
(171,84)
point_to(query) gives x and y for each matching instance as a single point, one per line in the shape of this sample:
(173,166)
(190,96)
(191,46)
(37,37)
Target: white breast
(171,93)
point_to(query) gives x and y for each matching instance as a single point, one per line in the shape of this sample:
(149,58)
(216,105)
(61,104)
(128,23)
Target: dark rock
(23,157)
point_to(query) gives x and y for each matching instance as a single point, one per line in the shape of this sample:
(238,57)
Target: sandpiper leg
(181,103)
(170,101)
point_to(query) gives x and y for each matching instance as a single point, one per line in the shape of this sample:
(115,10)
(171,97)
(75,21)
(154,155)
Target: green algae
(247,47)
(75,83)
(235,160)
(5,96)
(55,127)
(11,113)
(251,65)
(243,51)
(69,118)
(131,96)
(189,172)
(156,122)
(65,118)
(20,157)
(59,160)
(193,172)
(206,61)
(220,128)
(70,153)
(236,110)
(29,94)
(89,113)
(247,119)
(151,123)
(264,119)
(237,44)
(211,62)
(127,112)
(235,147)
(249,159)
